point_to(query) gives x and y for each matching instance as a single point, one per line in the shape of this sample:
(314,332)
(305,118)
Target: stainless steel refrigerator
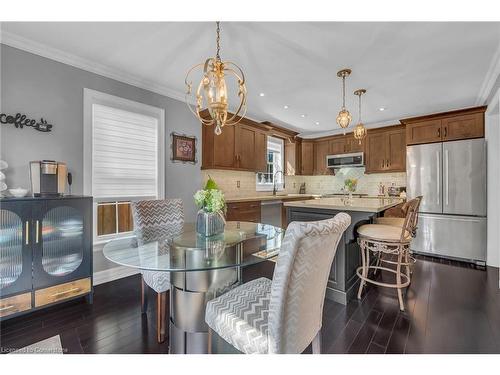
(451,177)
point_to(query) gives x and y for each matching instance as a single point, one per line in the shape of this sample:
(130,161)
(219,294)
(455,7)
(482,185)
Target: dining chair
(157,220)
(283,315)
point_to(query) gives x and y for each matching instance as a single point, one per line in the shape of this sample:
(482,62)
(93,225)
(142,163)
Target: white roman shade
(124,153)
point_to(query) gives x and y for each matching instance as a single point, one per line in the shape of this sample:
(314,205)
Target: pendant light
(359,130)
(344,118)
(212,91)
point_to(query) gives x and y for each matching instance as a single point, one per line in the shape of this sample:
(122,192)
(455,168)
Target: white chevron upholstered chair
(283,315)
(155,220)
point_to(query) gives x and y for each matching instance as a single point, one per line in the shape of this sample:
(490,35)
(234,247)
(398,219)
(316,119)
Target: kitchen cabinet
(337,145)
(447,126)
(239,147)
(463,127)
(292,158)
(321,151)
(353,145)
(307,158)
(424,132)
(46,251)
(386,150)
(243,211)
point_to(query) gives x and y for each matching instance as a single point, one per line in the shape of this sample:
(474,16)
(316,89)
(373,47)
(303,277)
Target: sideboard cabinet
(45,252)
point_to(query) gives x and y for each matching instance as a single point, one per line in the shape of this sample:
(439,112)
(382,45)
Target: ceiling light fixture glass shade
(344,118)
(212,92)
(359,130)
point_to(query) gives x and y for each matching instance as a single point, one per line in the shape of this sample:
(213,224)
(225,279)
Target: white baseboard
(114,273)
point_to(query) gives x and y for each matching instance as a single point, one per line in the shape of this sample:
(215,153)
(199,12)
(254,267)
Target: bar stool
(388,240)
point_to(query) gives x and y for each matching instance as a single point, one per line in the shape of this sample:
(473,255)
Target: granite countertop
(340,204)
(270,197)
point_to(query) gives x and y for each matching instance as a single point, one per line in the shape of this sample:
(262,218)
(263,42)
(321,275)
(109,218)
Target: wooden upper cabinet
(396,150)
(291,158)
(447,126)
(307,158)
(321,150)
(337,145)
(245,147)
(386,150)
(462,127)
(223,147)
(424,132)
(353,145)
(260,151)
(375,152)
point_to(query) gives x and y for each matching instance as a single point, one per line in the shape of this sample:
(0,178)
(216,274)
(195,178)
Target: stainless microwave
(355,159)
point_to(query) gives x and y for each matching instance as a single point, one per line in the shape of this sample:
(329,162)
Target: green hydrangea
(210,199)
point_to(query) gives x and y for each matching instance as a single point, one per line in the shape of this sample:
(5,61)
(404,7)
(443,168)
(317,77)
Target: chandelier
(359,130)
(344,117)
(212,91)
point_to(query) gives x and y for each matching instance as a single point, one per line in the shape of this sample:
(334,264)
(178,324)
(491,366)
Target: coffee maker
(48,178)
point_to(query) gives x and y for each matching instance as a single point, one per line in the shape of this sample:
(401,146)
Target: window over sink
(275,166)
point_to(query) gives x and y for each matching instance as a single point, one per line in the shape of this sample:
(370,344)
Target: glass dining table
(201,268)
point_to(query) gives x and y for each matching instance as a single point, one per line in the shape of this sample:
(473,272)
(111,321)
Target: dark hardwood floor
(450,308)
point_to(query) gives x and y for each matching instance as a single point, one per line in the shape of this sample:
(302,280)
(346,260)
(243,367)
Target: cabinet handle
(27,234)
(37,231)
(445,131)
(7,308)
(439,133)
(59,294)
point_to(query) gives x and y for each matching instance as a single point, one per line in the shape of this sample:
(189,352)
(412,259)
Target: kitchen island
(343,279)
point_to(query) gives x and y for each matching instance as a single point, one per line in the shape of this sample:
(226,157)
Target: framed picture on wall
(183,148)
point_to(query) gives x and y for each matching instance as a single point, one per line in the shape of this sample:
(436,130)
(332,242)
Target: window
(123,159)
(275,163)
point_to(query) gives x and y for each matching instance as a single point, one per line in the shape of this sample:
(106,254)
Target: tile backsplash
(367,183)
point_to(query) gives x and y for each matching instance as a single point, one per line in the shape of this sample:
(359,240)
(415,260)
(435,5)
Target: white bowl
(18,192)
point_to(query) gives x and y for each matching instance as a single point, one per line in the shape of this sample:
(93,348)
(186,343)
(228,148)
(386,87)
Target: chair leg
(144,296)
(398,282)
(316,343)
(161,305)
(363,265)
(209,346)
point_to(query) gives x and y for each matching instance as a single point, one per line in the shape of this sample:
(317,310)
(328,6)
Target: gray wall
(45,88)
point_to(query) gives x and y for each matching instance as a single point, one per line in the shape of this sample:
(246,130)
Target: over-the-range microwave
(355,159)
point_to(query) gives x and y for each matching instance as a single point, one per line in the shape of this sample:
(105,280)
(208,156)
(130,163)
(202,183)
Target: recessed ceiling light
(285,106)
(262,94)
(303,115)
(317,122)
(381,109)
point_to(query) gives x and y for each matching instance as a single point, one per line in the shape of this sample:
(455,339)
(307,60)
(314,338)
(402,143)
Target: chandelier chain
(359,114)
(218,41)
(343,91)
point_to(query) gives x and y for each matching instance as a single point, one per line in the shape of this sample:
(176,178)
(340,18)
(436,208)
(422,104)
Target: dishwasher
(270,212)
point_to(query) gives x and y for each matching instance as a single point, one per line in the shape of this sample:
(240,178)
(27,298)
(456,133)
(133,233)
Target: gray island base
(343,280)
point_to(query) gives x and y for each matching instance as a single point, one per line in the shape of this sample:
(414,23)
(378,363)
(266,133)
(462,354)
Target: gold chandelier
(212,91)
(344,117)
(359,130)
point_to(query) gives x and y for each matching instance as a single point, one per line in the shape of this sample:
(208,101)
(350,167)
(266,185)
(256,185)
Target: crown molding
(489,79)
(43,50)
(339,131)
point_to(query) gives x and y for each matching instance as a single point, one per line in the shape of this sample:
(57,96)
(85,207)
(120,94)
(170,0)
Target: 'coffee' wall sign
(20,121)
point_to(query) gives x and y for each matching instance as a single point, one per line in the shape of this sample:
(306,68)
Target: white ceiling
(408,68)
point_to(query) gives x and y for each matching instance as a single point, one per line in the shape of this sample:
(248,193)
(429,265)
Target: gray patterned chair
(155,220)
(283,315)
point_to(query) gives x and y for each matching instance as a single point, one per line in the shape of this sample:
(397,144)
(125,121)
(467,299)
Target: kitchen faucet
(274,181)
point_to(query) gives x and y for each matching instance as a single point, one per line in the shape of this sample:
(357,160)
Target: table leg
(189,294)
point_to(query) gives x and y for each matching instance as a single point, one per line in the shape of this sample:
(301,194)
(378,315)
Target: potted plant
(210,200)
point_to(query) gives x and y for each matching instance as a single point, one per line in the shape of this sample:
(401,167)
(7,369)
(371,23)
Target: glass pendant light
(344,118)
(359,130)
(212,91)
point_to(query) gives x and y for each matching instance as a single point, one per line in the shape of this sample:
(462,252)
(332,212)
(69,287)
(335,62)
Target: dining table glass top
(242,244)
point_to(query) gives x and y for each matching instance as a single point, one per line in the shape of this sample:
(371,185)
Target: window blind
(124,153)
